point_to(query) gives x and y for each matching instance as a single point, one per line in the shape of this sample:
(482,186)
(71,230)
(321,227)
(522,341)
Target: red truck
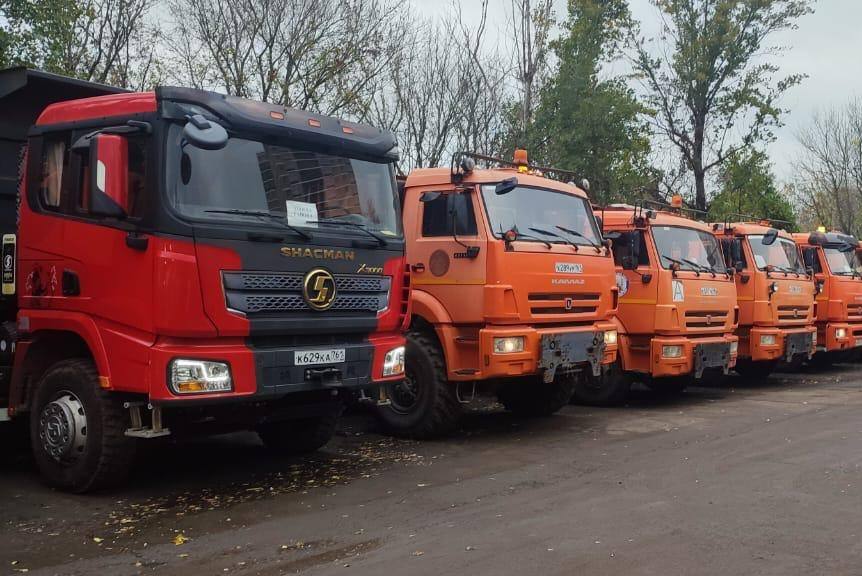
(184,260)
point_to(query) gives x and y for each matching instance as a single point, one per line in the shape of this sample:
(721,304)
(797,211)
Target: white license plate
(859,342)
(329,356)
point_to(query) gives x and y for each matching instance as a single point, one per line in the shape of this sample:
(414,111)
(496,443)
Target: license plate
(309,357)
(859,342)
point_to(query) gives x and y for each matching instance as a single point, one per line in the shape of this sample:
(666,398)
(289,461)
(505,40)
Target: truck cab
(775,295)
(677,303)
(512,292)
(834,260)
(188,260)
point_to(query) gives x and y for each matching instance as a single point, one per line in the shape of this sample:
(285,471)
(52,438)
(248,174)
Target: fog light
(840,333)
(671,351)
(767,340)
(393,362)
(200,377)
(610,337)
(509,345)
(734,347)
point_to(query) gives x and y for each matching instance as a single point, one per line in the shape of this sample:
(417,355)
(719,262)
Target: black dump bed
(24,94)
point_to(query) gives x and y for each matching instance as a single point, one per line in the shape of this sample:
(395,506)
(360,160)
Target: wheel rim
(63,427)
(404,395)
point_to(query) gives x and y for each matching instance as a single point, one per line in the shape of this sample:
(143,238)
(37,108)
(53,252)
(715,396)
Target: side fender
(428,307)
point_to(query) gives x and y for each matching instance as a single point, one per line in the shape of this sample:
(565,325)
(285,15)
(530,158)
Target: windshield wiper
(267,215)
(518,235)
(785,270)
(680,262)
(555,235)
(595,245)
(700,267)
(380,239)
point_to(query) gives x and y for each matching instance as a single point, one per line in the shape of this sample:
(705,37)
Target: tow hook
(138,430)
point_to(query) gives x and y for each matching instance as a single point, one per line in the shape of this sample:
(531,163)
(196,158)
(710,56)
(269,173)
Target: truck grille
(543,303)
(705,318)
(792,314)
(281,292)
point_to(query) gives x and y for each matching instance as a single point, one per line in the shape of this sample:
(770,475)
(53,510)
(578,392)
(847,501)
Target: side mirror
(808,257)
(506,186)
(109,176)
(738,266)
(429,196)
(204,134)
(770,237)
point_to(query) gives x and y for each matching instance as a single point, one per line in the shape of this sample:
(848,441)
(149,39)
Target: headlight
(671,351)
(509,345)
(610,337)
(200,376)
(734,347)
(840,333)
(393,362)
(767,340)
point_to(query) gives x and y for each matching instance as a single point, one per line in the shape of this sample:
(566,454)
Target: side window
(818,268)
(727,246)
(55,173)
(437,216)
(622,248)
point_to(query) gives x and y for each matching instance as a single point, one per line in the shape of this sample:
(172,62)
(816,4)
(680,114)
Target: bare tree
(531,23)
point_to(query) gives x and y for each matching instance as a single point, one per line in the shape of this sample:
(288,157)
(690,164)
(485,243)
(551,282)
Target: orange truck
(833,258)
(775,295)
(513,292)
(677,305)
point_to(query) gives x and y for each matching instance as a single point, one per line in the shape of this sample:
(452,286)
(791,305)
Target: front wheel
(424,404)
(532,397)
(610,388)
(77,430)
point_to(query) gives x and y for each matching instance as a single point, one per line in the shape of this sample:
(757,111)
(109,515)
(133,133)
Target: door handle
(137,241)
(419,268)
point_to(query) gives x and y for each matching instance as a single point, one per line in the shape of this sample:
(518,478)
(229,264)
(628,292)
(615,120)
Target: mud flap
(715,355)
(567,351)
(797,344)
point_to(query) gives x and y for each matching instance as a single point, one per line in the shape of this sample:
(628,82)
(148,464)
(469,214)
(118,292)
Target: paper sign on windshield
(301,213)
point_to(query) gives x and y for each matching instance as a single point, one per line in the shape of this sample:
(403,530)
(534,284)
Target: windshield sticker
(568,268)
(678,291)
(301,213)
(622,284)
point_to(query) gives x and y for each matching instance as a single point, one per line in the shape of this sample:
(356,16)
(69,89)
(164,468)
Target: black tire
(424,405)
(669,385)
(822,360)
(92,456)
(533,398)
(610,388)
(294,437)
(755,370)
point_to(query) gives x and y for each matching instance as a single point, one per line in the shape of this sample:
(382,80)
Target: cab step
(138,430)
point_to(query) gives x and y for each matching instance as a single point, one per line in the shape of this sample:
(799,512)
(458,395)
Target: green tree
(714,91)
(748,187)
(590,125)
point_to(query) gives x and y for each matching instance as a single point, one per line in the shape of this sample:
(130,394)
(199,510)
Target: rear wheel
(77,430)
(755,370)
(291,437)
(423,404)
(533,397)
(609,388)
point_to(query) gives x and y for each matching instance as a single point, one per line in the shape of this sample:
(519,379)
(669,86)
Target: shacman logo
(318,253)
(318,289)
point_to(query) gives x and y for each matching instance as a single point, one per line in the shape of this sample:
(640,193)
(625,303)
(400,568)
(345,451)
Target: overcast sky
(827,46)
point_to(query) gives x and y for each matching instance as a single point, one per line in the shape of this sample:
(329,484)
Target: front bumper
(828,340)
(263,373)
(788,343)
(697,355)
(547,350)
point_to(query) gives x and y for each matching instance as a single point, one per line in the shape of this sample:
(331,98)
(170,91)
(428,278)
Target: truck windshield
(843,263)
(782,254)
(248,179)
(687,248)
(541,215)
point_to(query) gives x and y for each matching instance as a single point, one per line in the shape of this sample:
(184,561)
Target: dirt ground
(738,478)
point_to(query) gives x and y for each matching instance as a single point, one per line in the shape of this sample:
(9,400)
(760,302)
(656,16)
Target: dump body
(558,297)
(774,292)
(215,259)
(838,288)
(676,319)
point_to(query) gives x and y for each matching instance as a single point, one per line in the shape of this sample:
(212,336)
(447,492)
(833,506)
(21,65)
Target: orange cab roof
(442,177)
(623,216)
(751,228)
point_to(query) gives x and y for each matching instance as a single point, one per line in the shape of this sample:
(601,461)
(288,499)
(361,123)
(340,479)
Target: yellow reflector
(190,386)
